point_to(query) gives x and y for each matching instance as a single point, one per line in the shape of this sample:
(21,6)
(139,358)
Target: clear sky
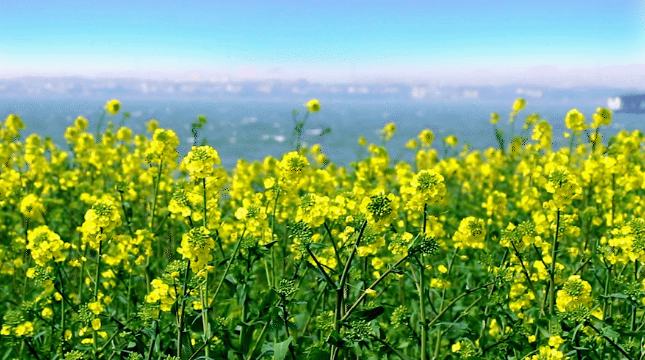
(321,40)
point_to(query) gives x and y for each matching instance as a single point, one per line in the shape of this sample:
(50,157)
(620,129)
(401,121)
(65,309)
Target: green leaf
(281,349)
(609,332)
(616,296)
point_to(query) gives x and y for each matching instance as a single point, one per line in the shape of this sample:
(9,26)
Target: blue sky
(318,40)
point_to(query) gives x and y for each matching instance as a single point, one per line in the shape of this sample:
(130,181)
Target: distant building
(627,103)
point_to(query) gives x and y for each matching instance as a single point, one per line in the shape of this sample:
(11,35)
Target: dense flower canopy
(118,245)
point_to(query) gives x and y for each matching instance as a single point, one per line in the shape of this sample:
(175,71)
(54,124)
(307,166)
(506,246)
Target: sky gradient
(458,40)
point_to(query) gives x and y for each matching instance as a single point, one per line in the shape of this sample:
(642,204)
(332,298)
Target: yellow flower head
(450,140)
(197,246)
(576,293)
(518,105)
(293,165)
(602,117)
(388,131)
(46,245)
(379,209)
(426,136)
(14,124)
(575,120)
(163,294)
(113,106)
(313,105)
(470,234)
(429,185)
(563,185)
(200,162)
(102,218)
(494,118)
(32,207)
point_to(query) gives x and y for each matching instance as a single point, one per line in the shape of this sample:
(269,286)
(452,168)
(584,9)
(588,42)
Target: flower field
(117,246)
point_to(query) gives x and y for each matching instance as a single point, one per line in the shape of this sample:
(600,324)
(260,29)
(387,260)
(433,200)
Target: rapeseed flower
(113,106)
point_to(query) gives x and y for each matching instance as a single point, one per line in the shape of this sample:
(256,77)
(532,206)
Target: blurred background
(246,65)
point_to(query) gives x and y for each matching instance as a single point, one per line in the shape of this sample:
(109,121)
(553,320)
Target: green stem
(204,290)
(340,291)
(182,308)
(97,279)
(554,253)
(156,192)
(633,322)
(612,342)
(228,267)
(422,307)
(249,355)
(443,299)
(153,340)
(605,304)
(371,287)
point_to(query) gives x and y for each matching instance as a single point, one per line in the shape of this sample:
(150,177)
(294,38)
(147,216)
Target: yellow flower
(6,330)
(411,144)
(555,341)
(518,105)
(112,106)
(293,165)
(543,133)
(602,117)
(241,213)
(163,294)
(494,118)
(162,147)
(46,245)
(563,185)
(576,293)
(426,136)
(32,207)
(531,339)
(426,187)
(197,246)
(200,162)
(379,209)
(547,353)
(102,218)
(388,131)
(24,329)
(575,120)
(47,313)
(450,140)
(95,307)
(313,105)
(14,124)
(470,234)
